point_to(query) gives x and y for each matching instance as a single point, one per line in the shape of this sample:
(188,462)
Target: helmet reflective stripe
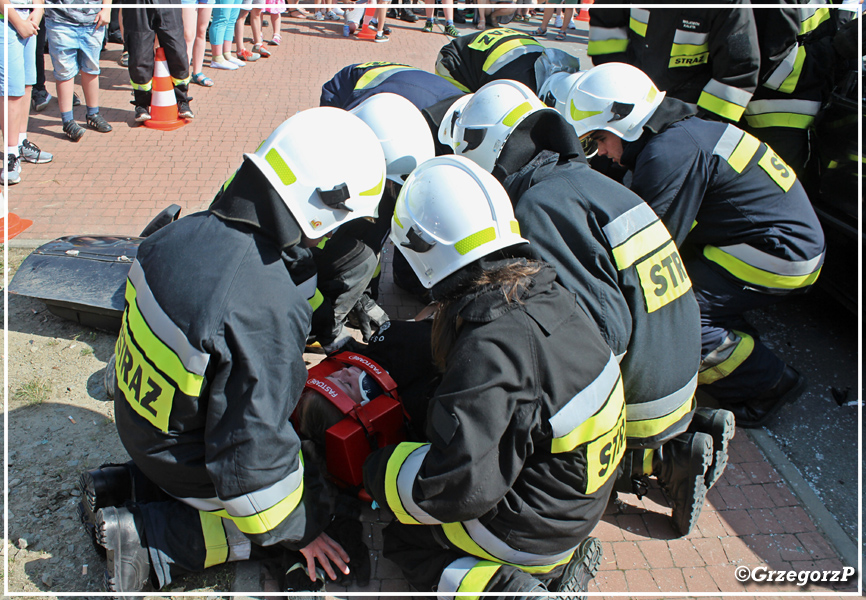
(449,214)
(327,166)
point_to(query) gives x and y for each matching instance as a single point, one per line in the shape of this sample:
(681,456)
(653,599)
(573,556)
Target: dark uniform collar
(250,199)
(670,111)
(544,130)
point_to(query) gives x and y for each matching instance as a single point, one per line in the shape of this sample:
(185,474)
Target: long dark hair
(511,278)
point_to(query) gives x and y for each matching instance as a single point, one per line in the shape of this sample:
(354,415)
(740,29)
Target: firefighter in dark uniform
(527,426)
(735,210)
(704,56)
(473,60)
(610,249)
(209,362)
(797,73)
(141,25)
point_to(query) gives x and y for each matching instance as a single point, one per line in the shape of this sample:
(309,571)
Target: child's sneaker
(39,100)
(98,123)
(261,51)
(30,152)
(450,30)
(183,110)
(12,172)
(558,22)
(319,16)
(380,37)
(141,115)
(428,27)
(74,131)
(248,56)
(332,15)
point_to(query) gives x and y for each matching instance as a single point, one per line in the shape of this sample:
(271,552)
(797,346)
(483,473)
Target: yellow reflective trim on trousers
(729,365)
(175,81)
(512,117)
(157,352)
(504,47)
(640,244)
(726,109)
(376,189)
(457,535)
(280,167)
(780,119)
(478,238)
(215,542)
(744,152)
(654,427)
(316,300)
(143,87)
(791,80)
(637,26)
(370,75)
(602,422)
(601,47)
(810,24)
(477,580)
(268,519)
(746,272)
(392,470)
(647,461)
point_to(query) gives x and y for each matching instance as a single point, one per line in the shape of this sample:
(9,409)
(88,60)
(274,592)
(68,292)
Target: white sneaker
(224,64)
(332,16)
(319,16)
(572,25)
(558,22)
(235,61)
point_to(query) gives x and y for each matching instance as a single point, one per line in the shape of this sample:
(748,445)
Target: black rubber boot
(757,411)
(120,532)
(720,425)
(109,485)
(580,570)
(680,465)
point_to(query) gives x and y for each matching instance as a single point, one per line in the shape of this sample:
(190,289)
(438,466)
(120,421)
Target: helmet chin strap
(336,197)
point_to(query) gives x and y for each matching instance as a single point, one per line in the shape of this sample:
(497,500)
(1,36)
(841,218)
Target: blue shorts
(21,69)
(73,48)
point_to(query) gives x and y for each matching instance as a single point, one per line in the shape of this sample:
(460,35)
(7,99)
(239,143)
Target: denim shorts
(21,69)
(73,48)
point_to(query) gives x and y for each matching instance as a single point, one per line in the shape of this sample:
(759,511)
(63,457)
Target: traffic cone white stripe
(161,69)
(163,98)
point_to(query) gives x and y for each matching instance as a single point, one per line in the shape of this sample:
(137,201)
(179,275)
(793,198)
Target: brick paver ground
(114,183)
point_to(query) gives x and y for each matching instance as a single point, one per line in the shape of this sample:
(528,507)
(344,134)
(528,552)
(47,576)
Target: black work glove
(348,531)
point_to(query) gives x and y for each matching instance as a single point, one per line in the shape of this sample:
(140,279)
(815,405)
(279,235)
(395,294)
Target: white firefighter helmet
(450,213)
(555,89)
(447,125)
(402,130)
(615,97)
(328,167)
(479,129)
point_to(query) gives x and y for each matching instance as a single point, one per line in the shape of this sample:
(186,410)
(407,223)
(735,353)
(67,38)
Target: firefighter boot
(580,569)
(120,532)
(757,411)
(718,424)
(680,466)
(109,485)
(510,579)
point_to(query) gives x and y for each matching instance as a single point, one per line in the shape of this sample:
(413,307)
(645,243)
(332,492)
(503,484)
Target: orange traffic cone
(366,33)
(163,102)
(16,225)
(583,15)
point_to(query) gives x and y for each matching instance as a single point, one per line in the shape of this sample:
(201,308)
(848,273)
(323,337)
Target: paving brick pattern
(114,183)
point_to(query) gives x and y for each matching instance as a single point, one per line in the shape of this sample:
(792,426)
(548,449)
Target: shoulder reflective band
(725,359)
(465,577)
(737,147)
(787,73)
(376,76)
(663,277)
(776,168)
(261,511)
(591,412)
(634,234)
(689,49)
(638,20)
(765,270)
(812,18)
(649,419)
(725,100)
(508,51)
(475,539)
(798,114)
(403,466)
(607,40)
(486,40)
